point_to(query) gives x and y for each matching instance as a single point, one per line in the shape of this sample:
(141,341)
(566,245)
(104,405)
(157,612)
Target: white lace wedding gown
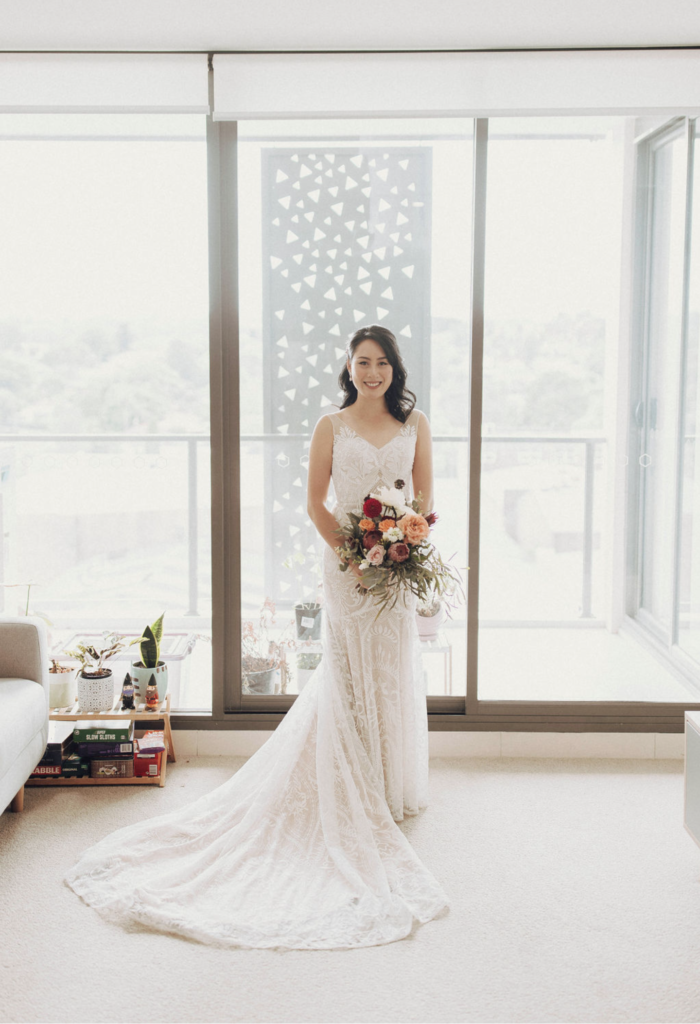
(300,847)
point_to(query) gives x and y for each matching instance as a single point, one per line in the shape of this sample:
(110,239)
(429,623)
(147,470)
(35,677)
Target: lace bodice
(360,467)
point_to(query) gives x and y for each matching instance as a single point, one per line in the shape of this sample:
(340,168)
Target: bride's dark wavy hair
(399,400)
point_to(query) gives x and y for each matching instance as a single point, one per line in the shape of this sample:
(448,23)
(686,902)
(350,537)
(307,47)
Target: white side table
(441,645)
(691,801)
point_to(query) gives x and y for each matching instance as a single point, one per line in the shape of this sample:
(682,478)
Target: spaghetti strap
(335,421)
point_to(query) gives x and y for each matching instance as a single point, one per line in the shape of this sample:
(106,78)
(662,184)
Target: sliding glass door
(343,224)
(657,406)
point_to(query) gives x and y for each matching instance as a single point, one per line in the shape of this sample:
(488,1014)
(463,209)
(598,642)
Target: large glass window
(548,582)
(104,381)
(344,224)
(587,528)
(689,553)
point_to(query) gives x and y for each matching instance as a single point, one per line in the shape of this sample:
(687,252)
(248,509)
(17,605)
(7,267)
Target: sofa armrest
(24,650)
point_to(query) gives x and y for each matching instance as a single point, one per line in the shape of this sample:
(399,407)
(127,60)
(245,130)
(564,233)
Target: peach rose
(386,524)
(367,524)
(415,528)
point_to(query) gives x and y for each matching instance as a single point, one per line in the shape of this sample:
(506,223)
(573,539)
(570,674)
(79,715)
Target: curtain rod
(494,49)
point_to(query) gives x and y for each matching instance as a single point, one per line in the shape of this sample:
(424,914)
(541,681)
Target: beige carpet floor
(575,896)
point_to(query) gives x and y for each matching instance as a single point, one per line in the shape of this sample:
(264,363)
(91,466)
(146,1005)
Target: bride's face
(370,370)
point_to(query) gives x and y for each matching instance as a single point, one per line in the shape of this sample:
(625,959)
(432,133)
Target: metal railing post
(192,552)
(587,583)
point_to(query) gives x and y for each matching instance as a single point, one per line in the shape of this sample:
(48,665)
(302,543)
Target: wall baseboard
(243,743)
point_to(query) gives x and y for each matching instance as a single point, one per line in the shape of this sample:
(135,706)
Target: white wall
(218,25)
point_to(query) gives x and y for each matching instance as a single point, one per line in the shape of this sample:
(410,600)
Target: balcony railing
(193,440)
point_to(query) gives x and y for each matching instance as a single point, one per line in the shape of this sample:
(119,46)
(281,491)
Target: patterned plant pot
(95,693)
(428,625)
(141,676)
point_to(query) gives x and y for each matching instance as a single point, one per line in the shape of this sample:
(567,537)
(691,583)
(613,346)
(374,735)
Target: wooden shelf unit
(139,714)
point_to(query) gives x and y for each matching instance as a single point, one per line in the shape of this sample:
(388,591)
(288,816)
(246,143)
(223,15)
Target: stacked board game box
(108,746)
(59,745)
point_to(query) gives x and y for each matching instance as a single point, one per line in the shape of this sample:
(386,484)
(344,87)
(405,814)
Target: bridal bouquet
(390,542)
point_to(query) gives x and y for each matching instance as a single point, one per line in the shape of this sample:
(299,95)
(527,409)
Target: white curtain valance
(456,84)
(103,83)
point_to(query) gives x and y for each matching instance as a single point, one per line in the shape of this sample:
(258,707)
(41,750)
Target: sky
(116,231)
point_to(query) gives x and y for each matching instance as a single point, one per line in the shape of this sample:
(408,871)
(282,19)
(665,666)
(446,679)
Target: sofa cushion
(23,714)
(20,650)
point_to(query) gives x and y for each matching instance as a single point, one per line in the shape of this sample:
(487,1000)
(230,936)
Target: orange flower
(415,528)
(386,524)
(367,524)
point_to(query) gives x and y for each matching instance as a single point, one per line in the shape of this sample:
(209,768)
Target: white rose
(392,498)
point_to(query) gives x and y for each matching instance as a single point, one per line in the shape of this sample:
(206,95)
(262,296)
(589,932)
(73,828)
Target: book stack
(58,747)
(108,746)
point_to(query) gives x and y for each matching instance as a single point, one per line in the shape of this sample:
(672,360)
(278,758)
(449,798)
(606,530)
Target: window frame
(467,713)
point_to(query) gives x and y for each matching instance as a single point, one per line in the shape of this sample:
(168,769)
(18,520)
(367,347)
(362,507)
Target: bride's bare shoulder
(324,429)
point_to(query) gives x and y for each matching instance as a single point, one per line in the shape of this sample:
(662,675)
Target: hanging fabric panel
(103,83)
(549,82)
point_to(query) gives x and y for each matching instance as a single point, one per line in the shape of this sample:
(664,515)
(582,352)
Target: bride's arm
(423,464)
(320,461)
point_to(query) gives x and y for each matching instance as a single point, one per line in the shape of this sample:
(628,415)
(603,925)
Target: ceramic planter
(141,677)
(303,676)
(63,688)
(260,682)
(428,625)
(96,693)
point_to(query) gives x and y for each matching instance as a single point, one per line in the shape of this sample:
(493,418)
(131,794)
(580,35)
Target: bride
(300,847)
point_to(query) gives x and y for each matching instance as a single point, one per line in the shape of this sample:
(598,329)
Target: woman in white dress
(300,847)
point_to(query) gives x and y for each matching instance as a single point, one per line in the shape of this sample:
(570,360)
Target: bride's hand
(356,571)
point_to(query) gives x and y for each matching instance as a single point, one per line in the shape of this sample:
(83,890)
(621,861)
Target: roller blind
(103,83)
(456,84)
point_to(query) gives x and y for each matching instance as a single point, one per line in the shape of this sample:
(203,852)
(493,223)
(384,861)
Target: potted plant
(262,655)
(62,685)
(430,615)
(307,663)
(95,683)
(308,619)
(150,663)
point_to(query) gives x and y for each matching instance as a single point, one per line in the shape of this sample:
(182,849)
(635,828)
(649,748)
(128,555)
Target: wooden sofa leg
(18,801)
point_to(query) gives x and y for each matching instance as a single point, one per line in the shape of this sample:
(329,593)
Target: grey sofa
(24,704)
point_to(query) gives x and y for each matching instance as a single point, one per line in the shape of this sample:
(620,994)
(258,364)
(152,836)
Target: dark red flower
(372,508)
(398,552)
(431,518)
(371,538)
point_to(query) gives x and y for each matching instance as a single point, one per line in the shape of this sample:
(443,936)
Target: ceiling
(315,25)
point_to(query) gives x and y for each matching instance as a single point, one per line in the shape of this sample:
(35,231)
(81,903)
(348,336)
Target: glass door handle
(639,413)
